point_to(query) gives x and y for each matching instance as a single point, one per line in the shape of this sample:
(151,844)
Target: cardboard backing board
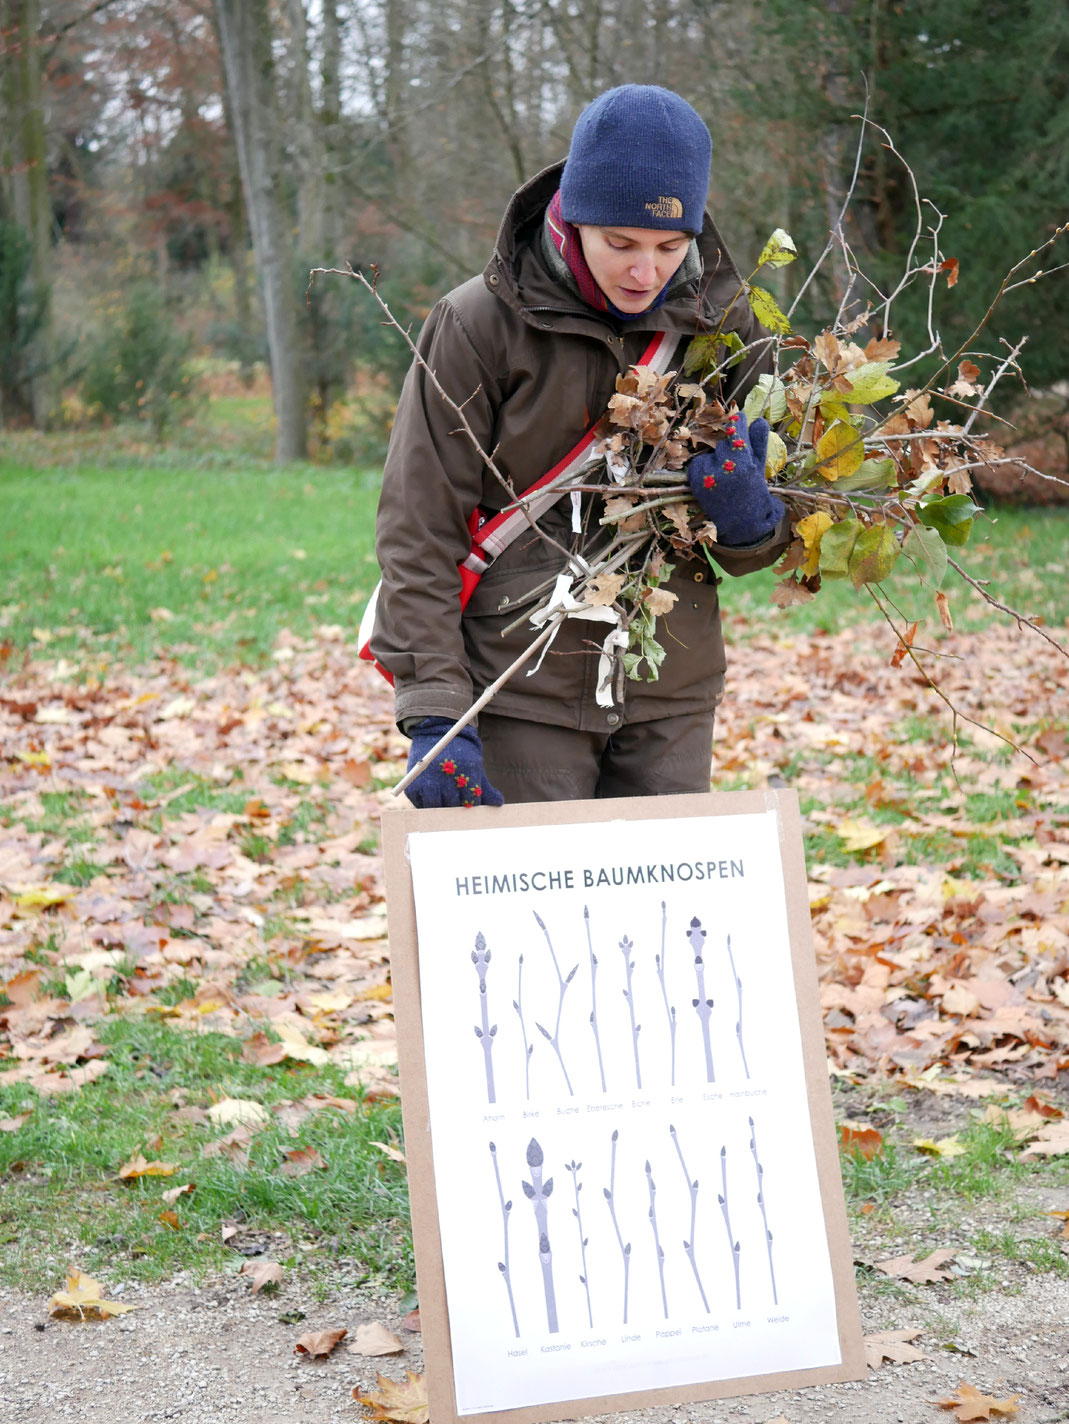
(622,1159)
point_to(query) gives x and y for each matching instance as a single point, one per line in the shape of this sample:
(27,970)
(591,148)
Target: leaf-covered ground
(194,956)
(205,854)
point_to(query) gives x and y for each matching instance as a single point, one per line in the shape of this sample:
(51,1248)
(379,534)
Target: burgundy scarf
(567,241)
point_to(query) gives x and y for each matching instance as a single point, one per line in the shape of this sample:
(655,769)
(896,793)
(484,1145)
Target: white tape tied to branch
(563,602)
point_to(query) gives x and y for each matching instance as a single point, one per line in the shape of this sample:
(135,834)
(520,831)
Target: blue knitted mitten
(455,777)
(730,487)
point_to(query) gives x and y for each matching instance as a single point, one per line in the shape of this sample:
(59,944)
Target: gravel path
(219,1355)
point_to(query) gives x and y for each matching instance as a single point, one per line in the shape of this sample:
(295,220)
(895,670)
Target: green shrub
(139,365)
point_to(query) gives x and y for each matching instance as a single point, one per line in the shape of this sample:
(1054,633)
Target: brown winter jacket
(534,367)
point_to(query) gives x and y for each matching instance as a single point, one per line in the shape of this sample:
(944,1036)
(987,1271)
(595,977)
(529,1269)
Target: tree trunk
(245,30)
(24,198)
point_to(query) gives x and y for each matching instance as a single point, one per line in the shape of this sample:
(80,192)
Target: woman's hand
(730,487)
(455,777)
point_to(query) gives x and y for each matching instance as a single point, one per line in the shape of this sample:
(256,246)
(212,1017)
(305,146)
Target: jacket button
(699,577)
(493,279)
(504,602)
(612,719)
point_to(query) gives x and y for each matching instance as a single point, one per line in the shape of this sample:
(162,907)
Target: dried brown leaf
(401,1403)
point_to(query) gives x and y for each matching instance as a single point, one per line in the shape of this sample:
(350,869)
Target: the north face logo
(665,208)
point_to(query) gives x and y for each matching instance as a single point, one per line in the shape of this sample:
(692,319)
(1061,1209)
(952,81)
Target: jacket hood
(516,273)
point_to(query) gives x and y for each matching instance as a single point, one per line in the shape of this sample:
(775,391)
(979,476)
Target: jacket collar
(519,275)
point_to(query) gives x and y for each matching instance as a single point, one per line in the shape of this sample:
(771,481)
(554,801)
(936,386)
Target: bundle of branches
(873,473)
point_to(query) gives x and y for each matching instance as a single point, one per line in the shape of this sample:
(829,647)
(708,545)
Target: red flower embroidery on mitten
(729,465)
(709,481)
(449,766)
(462,781)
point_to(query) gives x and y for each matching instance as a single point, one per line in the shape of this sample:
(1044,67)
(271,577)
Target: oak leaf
(373,1338)
(317,1344)
(262,1273)
(892,1345)
(930,1268)
(971,1404)
(659,601)
(604,589)
(402,1403)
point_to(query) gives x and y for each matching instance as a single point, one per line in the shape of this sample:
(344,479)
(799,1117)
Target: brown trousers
(530,761)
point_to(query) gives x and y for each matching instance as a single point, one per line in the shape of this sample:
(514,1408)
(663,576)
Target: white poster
(627,1187)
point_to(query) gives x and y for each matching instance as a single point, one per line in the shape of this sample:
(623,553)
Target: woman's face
(632,264)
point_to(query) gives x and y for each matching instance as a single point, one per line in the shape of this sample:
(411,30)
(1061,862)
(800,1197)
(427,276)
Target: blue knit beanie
(639,158)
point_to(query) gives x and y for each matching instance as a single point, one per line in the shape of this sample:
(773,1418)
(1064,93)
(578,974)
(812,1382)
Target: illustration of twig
(574,1167)
(738,1025)
(652,1187)
(594,994)
(537,1193)
(562,984)
(626,947)
(625,1251)
(503,1266)
(480,957)
(733,1245)
(688,1246)
(702,1006)
(671,1012)
(761,1204)
(528,1048)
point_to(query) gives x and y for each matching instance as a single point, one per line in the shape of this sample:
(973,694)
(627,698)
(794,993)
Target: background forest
(138,269)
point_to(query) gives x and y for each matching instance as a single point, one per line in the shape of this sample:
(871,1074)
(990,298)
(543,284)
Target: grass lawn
(202,564)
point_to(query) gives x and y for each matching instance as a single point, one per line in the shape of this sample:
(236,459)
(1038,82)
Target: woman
(593,258)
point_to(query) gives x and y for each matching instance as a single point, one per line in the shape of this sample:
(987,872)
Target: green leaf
(833,408)
(836,546)
(869,475)
(766,311)
(768,398)
(700,353)
(778,250)
(870,382)
(951,518)
(703,353)
(928,553)
(874,555)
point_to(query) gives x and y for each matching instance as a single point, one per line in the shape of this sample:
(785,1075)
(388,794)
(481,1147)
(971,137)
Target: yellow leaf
(860,835)
(298,1047)
(941,1147)
(812,529)
(776,457)
(840,451)
(43,897)
(83,1295)
(138,1167)
(41,759)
